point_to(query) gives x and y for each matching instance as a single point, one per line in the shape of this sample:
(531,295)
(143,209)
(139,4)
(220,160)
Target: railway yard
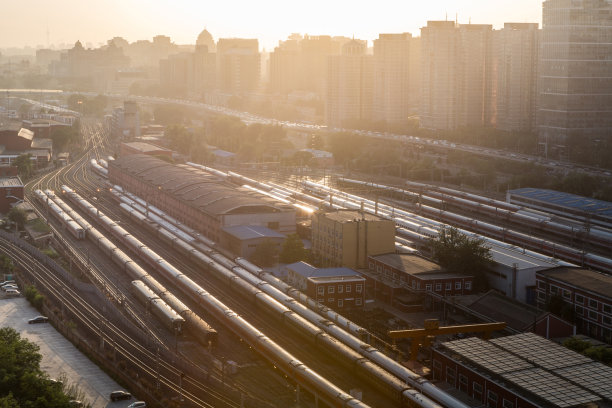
(179,320)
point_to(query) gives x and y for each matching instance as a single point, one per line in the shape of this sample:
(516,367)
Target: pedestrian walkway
(59,356)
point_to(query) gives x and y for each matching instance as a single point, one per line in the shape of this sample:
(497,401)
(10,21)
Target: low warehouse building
(198,199)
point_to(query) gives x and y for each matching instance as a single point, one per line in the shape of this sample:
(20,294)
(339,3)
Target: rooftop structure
(523,370)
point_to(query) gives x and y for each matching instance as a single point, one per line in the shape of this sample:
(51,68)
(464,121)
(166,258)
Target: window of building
(607,309)
(358,288)
(330,289)
(449,286)
(477,391)
(463,383)
(340,302)
(580,299)
(358,302)
(592,303)
(458,285)
(450,376)
(320,300)
(414,284)
(330,300)
(468,285)
(371,265)
(428,287)
(553,289)
(541,295)
(541,285)
(418,284)
(607,320)
(491,399)
(592,315)
(437,370)
(507,404)
(321,290)
(348,288)
(438,287)
(579,311)
(567,294)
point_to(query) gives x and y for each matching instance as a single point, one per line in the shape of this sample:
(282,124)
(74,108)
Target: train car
(65,220)
(157,306)
(96,168)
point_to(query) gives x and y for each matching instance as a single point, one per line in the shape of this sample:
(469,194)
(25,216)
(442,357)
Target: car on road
(138,404)
(38,319)
(120,395)
(75,404)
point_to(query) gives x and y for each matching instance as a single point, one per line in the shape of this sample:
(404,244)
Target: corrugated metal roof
(309,271)
(244,232)
(13,181)
(588,205)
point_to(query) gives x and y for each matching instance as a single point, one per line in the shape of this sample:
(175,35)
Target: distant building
(238,65)
(144,148)
(349,86)
(393,99)
(516,51)
(575,82)
(43,128)
(16,141)
(588,294)
(523,370)
(348,237)
(11,193)
(337,288)
(125,121)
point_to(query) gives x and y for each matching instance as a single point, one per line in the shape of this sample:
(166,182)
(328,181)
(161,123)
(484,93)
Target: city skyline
(137,20)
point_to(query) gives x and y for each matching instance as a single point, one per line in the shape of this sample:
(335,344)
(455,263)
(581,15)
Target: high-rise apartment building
(475,75)
(392,76)
(349,85)
(238,65)
(439,62)
(575,89)
(516,53)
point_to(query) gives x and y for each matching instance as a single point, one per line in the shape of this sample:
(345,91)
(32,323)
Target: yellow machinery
(424,337)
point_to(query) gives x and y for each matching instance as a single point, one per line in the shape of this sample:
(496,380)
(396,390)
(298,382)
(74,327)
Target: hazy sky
(25,22)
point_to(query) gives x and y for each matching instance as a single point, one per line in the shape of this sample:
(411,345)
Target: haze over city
(315,204)
(97,21)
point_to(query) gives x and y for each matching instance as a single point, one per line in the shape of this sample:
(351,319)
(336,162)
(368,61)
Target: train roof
(567,200)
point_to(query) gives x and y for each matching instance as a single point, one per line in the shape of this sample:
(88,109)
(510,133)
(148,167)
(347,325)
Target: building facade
(349,90)
(516,51)
(11,193)
(575,89)
(238,65)
(348,237)
(588,294)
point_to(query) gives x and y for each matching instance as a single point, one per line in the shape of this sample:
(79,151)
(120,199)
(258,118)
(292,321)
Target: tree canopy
(459,253)
(18,216)
(22,382)
(24,165)
(293,250)
(265,254)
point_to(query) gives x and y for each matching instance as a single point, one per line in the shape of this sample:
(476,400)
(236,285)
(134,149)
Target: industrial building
(337,288)
(243,240)
(348,237)
(402,280)
(11,193)
(199,199)
(16,141)
(587,293)
(589,210)
(523,370)
(144,148)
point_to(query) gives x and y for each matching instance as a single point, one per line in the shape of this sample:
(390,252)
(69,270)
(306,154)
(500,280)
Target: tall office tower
(392,78)
(415,79)
(516,53)
(285,67)
(238,65)
(575,89)
(439,61)
(475,76)
(349,85)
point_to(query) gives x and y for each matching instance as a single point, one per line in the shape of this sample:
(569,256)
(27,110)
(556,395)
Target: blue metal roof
(588,205)
(309,271)
(244,232)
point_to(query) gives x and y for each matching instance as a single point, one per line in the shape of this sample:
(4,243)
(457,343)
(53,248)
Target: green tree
(63,136)
(293,250)
(345,147)
(456,252)
(35,298)
(6,264)
(265,254)
(18,216)
(24,165)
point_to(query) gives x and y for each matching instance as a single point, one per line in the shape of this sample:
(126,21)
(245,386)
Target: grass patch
(38,225)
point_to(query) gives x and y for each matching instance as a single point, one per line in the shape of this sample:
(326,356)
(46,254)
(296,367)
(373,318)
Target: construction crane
(424,337)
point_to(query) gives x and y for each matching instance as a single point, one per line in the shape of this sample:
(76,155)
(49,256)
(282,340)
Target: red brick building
(587,293)
(15,141)
(403,280)
(336,288)
(521,371)
(11,193)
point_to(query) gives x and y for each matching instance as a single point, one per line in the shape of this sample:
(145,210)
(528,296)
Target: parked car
(138,404)
(12,293)
(75,404)
(10,286)
(38,319)
(120,395)
(6,282)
